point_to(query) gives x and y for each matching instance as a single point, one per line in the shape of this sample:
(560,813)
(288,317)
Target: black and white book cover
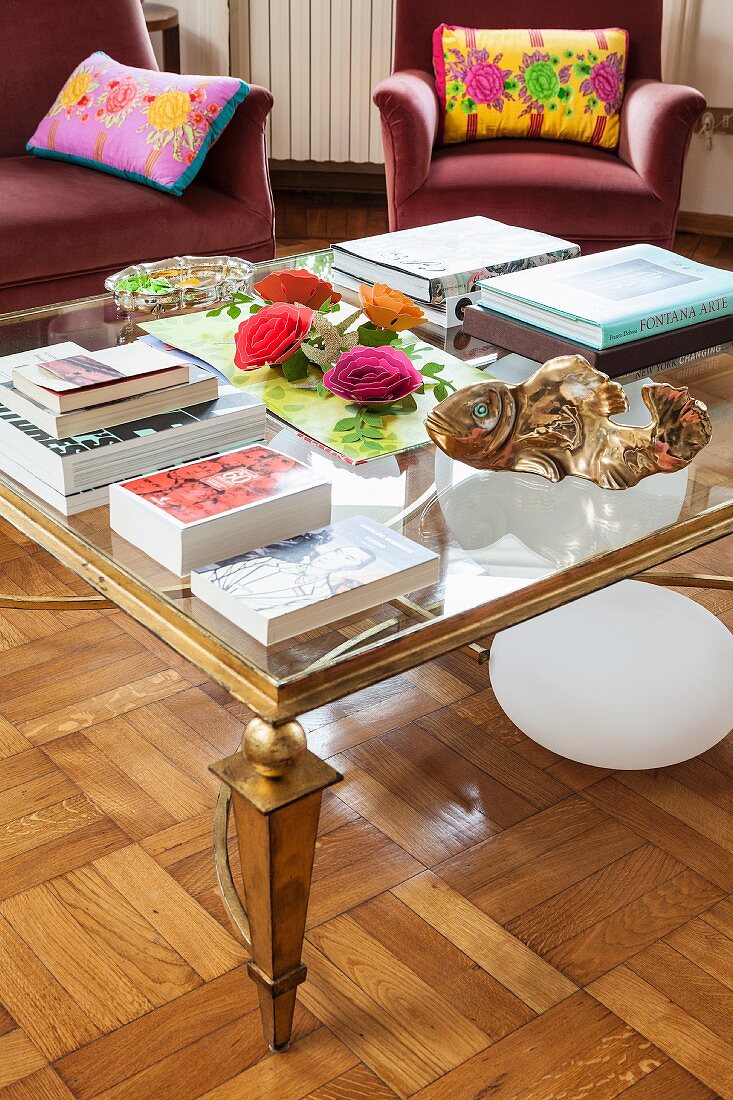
(273,584)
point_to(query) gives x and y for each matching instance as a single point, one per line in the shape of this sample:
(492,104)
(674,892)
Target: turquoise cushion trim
(217,126)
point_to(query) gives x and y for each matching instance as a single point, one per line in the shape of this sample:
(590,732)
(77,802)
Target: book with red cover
(194,514)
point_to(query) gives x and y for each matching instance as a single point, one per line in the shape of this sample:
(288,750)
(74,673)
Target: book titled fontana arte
(614,297)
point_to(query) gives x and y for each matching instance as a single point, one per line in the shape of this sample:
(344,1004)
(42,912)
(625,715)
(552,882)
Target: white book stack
(314,579)
(229,503)
(72,422)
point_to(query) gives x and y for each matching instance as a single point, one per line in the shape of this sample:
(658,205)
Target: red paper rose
(373,376)
(296,286)
(271,336)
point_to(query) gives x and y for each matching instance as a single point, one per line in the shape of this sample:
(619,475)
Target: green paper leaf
(346,424)
(372,337)
(431,369)
(234,312)
(352,437)
(368,431)
(440,391)
(321,389)
(255,308)
(295,367)
(373,418)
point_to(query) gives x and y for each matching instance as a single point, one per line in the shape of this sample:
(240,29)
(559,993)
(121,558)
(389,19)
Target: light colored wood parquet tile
(674,1028)
(100,708)
(18,1057)
(44,1084)
(575,1049)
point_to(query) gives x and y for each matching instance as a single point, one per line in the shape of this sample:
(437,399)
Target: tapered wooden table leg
(276,818)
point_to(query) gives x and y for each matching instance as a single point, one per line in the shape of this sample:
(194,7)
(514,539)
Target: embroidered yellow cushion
(560,84)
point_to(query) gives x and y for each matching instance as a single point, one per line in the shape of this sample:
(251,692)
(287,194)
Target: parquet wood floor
(487,919)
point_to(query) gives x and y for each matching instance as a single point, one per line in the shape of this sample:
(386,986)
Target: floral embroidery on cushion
(118,100)
(477,79)
(175,118)
(605,83)
(75,96)
(536,83)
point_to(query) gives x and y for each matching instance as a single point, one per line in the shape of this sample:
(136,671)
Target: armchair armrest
(237,163)
(656,127)
(409,107)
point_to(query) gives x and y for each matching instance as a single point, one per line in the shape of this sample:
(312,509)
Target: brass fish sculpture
(557,424)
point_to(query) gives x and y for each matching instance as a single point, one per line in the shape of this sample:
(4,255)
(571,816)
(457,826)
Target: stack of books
(623,309)
(439,266)
(72,422)
(314,579)
(193,514)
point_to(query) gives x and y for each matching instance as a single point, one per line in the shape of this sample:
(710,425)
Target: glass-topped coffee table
(511,547)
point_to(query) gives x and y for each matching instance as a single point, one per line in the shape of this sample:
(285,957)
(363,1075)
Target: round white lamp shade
(634,676)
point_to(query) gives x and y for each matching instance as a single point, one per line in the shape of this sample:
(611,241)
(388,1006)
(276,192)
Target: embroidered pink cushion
(154,128)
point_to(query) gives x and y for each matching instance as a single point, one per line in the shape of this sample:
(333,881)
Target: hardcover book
(435,262)
(228,503)
(311,580)
(614,297)
(64,380)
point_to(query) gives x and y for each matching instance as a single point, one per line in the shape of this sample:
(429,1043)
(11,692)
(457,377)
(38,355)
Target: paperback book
(93,459)
(615,297)
(314,579)
(201,385)
(435,262)
(229,503)
(64,380)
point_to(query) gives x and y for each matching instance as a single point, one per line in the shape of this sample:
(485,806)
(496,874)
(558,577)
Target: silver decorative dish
(179,283)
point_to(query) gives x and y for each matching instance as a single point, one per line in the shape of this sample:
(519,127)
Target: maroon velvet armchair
(63,227)
(599,199)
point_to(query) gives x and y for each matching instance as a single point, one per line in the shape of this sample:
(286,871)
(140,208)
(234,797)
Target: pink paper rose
(373,376)
(271,336)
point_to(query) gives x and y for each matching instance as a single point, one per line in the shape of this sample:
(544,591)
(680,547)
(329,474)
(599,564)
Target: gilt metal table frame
(273,783)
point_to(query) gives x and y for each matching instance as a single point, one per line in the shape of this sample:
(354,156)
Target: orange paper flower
(387,308)
(298,288)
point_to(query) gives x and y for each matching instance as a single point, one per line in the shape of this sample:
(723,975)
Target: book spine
(693,364)
(465,281)
(665,320)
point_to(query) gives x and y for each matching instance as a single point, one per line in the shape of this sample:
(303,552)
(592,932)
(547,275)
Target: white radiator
(320,59)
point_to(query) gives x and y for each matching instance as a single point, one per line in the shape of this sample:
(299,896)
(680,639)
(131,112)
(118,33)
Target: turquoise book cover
(614,297)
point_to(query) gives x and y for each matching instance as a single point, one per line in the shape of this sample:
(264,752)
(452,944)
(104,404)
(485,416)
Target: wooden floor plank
(576,1049)
(310,1064)
(669,1027)
(444,967)
(100,708)
(18,1057)
(129,1051)
(169,909)
(44,1084)
(690,847)
(407,1004)
(49,1016)
(503,956)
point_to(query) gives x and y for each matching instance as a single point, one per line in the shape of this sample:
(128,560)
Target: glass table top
(498,534)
